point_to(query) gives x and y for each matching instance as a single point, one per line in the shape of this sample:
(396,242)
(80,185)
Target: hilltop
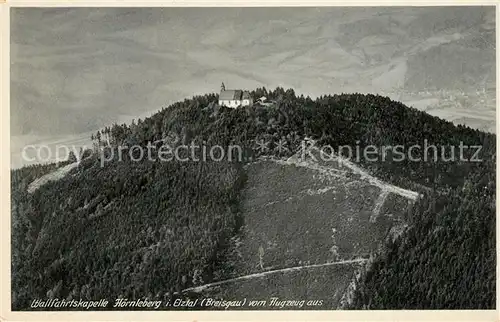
(151,228)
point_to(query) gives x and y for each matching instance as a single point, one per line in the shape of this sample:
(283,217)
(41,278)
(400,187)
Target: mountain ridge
(145,196)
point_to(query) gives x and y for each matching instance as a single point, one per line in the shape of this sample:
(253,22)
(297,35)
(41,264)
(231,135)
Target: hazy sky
(75,70)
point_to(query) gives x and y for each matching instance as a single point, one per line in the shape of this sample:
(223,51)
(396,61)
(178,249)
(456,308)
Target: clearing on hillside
(305,214)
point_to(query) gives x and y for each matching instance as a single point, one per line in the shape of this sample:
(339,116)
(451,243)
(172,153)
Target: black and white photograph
(252,158)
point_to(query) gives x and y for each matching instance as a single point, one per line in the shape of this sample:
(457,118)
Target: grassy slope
(302,216)
(286,212)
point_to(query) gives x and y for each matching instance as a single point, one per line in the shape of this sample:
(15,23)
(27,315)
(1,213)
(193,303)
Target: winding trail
(364,175)
(198,289)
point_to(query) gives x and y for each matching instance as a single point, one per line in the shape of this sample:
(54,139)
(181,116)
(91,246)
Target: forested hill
(336,120)
(130,228)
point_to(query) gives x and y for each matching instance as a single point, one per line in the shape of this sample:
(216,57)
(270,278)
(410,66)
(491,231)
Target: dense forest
(153,228)
(447,259)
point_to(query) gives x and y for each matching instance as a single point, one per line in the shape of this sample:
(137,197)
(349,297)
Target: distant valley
(135,70)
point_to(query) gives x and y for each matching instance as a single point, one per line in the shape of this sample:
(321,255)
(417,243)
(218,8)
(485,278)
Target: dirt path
(352,168)
(198,289)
